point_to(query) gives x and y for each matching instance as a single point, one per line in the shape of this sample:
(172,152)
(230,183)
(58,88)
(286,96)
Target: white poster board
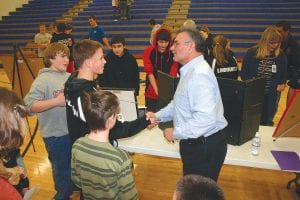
(127,100)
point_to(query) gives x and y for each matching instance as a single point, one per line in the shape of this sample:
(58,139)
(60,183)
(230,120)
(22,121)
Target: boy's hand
(60,99)
(153,119)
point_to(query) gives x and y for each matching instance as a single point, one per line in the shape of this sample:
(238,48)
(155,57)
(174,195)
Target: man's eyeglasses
(176,43)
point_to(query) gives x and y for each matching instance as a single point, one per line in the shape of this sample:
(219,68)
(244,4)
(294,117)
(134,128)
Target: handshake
(168,132)
(152,118)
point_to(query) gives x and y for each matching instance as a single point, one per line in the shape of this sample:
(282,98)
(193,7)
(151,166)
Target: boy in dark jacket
(89,58)
(121,69)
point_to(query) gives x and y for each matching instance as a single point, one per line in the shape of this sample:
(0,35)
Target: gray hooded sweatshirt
(47,85)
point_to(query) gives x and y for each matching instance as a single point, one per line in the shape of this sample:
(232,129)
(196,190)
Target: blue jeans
(59,154)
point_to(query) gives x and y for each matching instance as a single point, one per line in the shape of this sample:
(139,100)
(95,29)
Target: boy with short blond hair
(46,99)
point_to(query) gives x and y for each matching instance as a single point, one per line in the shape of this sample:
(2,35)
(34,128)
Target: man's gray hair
(195,37)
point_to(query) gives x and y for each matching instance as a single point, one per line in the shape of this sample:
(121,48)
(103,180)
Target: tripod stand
(16,71)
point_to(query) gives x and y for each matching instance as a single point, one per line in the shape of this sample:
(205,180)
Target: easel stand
(284,133)
(289,123)
(16,71)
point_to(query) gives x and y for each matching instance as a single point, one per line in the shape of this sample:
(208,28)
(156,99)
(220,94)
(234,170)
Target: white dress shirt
(197,108)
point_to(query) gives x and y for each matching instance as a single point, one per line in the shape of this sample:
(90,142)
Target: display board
(128,103)
(167,87)
(289,123)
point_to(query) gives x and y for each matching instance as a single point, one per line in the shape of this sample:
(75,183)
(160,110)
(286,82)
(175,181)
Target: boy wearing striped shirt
(99,169)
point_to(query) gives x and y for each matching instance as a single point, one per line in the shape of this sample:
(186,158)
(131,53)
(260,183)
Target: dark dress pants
(204,156)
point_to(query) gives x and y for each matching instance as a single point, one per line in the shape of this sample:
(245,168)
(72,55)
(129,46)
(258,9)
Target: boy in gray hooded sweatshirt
(46,99)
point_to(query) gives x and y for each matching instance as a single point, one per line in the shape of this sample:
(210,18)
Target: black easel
(16,70)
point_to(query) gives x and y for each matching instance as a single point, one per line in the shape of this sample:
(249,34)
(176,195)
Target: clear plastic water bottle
(255,145)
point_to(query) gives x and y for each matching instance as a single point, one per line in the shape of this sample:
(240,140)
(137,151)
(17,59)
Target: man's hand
(168,133)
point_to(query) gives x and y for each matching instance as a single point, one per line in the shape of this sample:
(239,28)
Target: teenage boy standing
(121,69)
(46,99)
(89,58)
(158,57)
(101,170)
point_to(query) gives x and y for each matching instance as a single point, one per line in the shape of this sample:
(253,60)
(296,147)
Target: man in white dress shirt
(196,109)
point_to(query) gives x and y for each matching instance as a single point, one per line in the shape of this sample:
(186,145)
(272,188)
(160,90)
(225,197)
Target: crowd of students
(79,122)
